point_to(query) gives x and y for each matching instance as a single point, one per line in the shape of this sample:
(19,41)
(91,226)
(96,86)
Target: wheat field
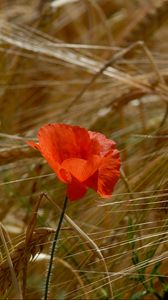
(102,65)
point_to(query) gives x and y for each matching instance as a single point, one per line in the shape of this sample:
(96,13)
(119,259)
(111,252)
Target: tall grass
(63,61)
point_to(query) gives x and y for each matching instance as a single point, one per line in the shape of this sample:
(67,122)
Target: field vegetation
(102,65)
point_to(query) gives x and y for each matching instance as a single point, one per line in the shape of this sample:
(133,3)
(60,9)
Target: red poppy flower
(82,159)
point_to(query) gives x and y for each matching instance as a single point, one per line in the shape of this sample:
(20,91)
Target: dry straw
(71,59)
(36,244)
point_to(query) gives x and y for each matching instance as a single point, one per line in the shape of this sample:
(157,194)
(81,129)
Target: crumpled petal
(92,181)
(109,172)
(81,169)
(64,141)
(76,190)
(47,155)
(58,142)
(100,144)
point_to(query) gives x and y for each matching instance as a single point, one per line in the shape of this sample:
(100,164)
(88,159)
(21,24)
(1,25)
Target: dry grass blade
(146,25)
(114,60)
(16,153)
(90,65)
(103,19)
(12,274)
(29,232)
(92,245)
(36,244)
(66,265)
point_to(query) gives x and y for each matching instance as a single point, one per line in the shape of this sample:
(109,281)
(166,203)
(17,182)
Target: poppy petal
(76,190)
(92,181)
(33,145)
(81,169)
(48,156)
(83,141)
(109,172)
(100,144)
(64,175)
(64,141)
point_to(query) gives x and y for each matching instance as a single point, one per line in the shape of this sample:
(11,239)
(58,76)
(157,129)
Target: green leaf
(150,253)
(154,272)
(135,257)
(131,231)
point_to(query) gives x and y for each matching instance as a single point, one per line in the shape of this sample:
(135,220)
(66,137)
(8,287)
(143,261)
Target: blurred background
(102,65)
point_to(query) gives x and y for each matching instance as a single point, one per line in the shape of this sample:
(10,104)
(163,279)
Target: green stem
(53,248)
